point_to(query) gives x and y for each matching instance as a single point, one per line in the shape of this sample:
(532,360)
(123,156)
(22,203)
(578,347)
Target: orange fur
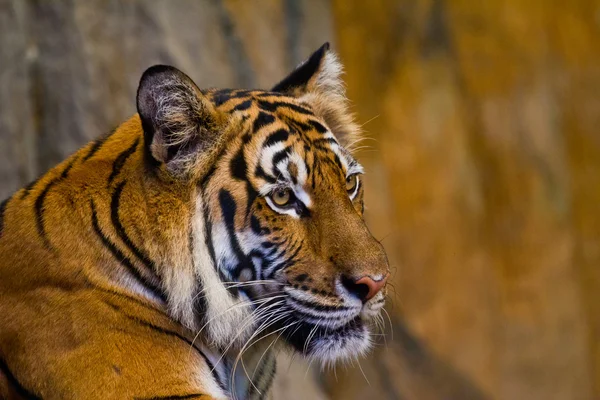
(104,264)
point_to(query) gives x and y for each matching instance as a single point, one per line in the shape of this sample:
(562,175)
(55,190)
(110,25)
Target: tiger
(175,257)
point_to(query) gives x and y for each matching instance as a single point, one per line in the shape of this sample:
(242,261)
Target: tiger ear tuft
(179,122)
(318,81)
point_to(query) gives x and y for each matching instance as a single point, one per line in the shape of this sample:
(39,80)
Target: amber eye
(351,183)
(282,197)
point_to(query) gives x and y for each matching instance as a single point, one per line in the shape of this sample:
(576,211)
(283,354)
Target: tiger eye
(351,183)
(281,197)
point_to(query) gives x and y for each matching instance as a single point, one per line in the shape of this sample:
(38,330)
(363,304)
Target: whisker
(391,325)
(375,117)
(247,345)
(230,285)
(236,306)
(363,372)
(273,342)
(249,319)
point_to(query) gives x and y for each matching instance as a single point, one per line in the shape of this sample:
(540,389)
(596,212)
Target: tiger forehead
(231,100)
(284,140)
(281,116)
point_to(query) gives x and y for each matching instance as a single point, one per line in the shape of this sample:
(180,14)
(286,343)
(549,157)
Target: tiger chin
(208,230)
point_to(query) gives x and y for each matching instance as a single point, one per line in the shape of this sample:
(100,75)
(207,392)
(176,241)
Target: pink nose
(365,288)
(370,287)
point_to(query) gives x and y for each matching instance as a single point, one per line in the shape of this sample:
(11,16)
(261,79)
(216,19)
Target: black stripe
(208,236)
(220,96)
(306,161)
(317,126)
(242,106)
(2,210)
(272,106)
(173,397)
(238,166)
(318,307)
(338,162)
(270,379)
(299,127)
(256,226)
(271,94)
(239,93)
(29,186)
(246,138)
(292,257)
(280,155)
(228,210)
(293,175)
(139,301)
(120,160)
(39,213)
(63,175)
(325,140)
(120,257)
(251,195)
(65,172)
(210,245)
(262,120)
(280,135)
(39,204)
(14,383)
(96,145)
(199,305)
(315,166)
(260,172)
(120,229)
(286,263)
(208,175)
(174,334)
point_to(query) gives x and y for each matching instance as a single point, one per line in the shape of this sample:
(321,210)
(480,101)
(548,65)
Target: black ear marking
(318,82)
(176,118)
(303,74)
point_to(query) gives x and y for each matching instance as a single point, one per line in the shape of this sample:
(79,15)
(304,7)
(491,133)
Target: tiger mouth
(328,333)
(309,332)
(325,343)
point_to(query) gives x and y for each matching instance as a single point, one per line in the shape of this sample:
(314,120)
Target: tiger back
(209,230)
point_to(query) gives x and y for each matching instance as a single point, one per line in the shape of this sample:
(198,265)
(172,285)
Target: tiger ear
(318,82)
(179,122)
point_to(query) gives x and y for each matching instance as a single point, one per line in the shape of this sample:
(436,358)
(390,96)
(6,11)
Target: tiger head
(279,241)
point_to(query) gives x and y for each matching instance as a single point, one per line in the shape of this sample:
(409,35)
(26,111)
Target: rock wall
(484,187)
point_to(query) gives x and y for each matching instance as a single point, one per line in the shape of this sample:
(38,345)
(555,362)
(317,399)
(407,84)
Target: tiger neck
(137,225)
(174,246)
(248,372)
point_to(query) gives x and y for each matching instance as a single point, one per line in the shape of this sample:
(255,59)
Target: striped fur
(156,260)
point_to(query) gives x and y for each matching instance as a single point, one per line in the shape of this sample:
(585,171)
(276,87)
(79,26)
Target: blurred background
(483,162)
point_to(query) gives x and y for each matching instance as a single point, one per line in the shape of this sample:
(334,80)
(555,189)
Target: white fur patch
(267,156)
(225,314)
(330,350)
(329,78)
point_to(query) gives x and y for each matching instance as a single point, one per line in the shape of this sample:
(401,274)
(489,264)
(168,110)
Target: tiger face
(279,240)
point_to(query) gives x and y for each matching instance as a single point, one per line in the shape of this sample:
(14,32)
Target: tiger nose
(365,288)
